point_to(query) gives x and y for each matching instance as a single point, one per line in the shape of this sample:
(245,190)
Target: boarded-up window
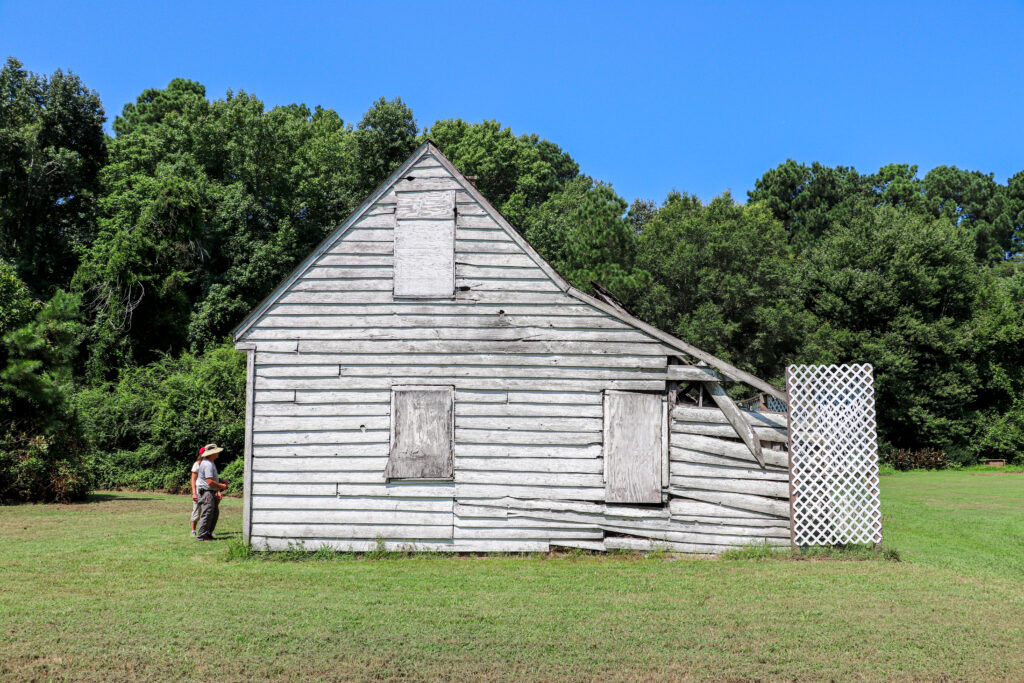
(425,244)
(632,447)
(421,433)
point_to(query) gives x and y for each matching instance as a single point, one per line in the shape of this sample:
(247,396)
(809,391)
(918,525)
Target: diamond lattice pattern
(833,454)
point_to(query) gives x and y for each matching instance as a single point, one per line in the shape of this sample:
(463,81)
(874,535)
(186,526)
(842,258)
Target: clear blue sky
(698,97)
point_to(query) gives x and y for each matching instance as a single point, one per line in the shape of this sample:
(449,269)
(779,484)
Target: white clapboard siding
(716,416)
(468,491)
(353,517)
(462,533)
(371,531)
(771,489)
(754,503)
(586,452)
(534,423)
(506,284)
(320,423)
(322,409)
(341,450)
(530,366)
(525,410)
(349,383)
(320,463)
(685,469)
(496,341)
(519,478)
(692,509)
(361,503)
(318,477)
(350,436)
(433,307)
(466,243)
(730,449)
(762,433)
(391,489)
(525,437)
(592,466)
(535,340)
(683,455)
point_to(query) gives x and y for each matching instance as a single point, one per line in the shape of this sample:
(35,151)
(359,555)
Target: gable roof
(611,309)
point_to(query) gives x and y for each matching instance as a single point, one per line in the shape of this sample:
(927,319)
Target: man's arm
(216,485)
(195,477)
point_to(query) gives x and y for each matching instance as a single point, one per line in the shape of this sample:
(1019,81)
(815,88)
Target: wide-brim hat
(211,449)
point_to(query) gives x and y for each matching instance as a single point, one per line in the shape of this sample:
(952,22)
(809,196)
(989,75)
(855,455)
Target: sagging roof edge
(725,368)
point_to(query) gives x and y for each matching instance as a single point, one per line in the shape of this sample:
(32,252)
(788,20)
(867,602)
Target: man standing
(209,485)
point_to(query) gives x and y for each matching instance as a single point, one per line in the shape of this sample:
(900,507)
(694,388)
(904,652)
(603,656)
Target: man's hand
(218,495)
(195,498)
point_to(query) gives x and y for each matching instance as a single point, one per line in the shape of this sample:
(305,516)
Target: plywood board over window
(425,244)
(421,433)
(632,447)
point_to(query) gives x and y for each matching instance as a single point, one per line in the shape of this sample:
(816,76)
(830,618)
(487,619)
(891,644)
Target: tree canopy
(125,261)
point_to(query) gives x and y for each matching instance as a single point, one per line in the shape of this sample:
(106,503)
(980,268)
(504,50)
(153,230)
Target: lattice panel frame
(833,455)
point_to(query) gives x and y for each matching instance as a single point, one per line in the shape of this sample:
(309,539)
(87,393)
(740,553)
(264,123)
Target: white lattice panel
(833,454)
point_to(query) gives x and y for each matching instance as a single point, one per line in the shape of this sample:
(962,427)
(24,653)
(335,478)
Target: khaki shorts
(195,511)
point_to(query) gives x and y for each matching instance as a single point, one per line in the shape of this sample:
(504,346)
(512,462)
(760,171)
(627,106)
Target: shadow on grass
(106,497)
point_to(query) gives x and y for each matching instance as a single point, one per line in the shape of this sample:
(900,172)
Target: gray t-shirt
(207,470)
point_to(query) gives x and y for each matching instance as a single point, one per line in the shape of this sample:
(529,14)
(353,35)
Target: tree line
(125,260)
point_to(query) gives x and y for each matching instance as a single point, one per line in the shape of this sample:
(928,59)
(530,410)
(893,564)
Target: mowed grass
(115,589)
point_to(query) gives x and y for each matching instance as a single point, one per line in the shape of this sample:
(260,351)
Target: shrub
(42,470)
(921,459)
(144,429)
(234,472)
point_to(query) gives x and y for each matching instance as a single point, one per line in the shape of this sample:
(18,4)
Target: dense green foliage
(168,232)
(41,449)
(51,151)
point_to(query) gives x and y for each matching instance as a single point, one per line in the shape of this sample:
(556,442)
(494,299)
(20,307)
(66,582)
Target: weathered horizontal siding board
(503,341)
(433,307)
(356,517)
(591,466)
(475,340)
(754,503)
(771,434)
(684,455)
(362,503)
(716,416)
(532,384)
(416,490)
(684,469)
(357,531)
(729,449)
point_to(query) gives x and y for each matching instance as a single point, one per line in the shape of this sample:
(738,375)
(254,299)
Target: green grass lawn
(115,589)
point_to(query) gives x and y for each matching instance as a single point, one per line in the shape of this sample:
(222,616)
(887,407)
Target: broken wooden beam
(736,419)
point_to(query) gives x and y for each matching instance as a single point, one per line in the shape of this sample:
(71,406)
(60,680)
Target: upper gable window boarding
(424,243)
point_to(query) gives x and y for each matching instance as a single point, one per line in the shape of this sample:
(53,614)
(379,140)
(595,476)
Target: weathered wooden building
(426,378)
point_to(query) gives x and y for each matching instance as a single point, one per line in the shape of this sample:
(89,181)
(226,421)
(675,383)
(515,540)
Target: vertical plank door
(632,447)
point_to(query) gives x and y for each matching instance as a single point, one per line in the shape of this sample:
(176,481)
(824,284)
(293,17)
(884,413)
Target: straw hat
(211,449)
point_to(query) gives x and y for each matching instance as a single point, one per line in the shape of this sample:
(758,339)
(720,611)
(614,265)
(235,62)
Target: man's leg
(207,512)
(216,513)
